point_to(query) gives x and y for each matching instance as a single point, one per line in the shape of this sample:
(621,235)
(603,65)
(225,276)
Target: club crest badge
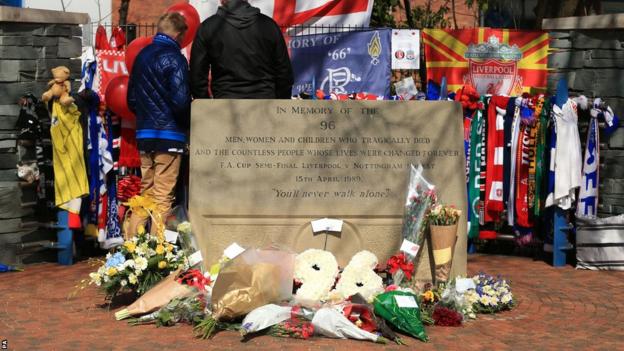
(493,68)
(374,48)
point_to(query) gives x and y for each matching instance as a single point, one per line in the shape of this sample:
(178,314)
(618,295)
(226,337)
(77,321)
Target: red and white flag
(289,13)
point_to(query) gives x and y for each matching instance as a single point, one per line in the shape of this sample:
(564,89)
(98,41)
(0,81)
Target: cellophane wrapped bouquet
(421,195)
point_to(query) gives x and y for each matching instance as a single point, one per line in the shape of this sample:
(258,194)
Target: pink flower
(391,287)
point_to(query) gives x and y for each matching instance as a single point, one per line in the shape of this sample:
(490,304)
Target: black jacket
(245,52)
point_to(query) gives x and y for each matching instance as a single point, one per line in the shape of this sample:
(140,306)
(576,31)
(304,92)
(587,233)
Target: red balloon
(133,49)
(116,97)
(191,16)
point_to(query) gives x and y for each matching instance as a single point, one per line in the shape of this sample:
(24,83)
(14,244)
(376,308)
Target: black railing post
(131,32)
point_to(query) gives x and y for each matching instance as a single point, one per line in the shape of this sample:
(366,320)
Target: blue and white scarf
(588,195)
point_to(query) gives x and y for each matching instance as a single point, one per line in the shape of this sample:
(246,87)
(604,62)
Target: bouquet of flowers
(402,263)
(462,302)
(446,317)
(137,265)
(443,228)
(443,215)
(420,196)
(188,309)
(427,301)
(331,323)
(296,327)
(401,310)
(492,294)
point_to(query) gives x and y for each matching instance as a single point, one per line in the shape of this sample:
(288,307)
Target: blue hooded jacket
(158,91)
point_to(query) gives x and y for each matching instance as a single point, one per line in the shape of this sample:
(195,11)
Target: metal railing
(133,31)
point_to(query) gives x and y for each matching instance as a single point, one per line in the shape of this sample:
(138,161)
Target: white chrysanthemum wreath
(359,277)
(316,270)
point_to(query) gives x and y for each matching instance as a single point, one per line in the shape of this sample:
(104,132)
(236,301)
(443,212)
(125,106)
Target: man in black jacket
(245,52)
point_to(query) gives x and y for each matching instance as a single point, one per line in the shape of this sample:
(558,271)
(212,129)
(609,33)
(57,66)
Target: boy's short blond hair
(172,21)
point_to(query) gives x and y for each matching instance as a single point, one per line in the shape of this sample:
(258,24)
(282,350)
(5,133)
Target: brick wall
(142,11)
(592,60)
(466,18)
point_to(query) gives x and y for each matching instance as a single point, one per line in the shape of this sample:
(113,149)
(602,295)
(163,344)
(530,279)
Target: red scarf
(524,157)
(494,205)
(128,150)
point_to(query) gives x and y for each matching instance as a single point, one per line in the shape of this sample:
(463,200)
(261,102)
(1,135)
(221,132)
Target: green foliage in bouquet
(443,215)
(179,310)
(137,265)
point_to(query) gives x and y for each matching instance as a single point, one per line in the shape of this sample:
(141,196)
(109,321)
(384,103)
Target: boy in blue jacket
(159,95)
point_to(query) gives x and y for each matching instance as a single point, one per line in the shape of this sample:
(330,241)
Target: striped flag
(288,13)
(494,61)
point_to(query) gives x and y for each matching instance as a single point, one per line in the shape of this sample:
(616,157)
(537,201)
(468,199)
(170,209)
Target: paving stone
(616,140)
(55,30)
(596,40)
(560,44)
(559,35)
(612,199)
(17,40)
(48,64)
(611,170)
(76,31)
(11,28)
(8,122)
(18,52)
(617,104)
(566,59)
(617,210)
(8,174)
(601,54)
(10,110)
(48,52)
(8,136)
(69,47)
(45,41)
(605,63)
(17,66)
(553,78)
(8,144)
(11,92)
(560,308)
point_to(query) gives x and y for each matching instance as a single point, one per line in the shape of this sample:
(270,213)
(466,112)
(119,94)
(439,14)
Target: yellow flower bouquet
(138,264)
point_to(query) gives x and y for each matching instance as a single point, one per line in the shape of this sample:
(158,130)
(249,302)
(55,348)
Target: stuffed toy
(59,87)
(28,172)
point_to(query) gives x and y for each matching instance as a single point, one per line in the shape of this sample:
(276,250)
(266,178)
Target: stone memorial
(262,170)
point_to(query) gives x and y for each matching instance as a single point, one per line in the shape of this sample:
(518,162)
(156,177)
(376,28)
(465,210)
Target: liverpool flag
(494,61)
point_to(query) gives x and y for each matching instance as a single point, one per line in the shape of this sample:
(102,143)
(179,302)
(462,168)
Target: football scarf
(523,161)
(542,124)
(474,177)
(486,231)
(515,136)
(509,116)
(495,149)
(588,194)
(113,227)
(532,155)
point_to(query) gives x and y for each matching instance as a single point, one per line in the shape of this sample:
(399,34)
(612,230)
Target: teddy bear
(59,87)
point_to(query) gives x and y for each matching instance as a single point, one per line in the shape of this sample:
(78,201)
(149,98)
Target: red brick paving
(558,309)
